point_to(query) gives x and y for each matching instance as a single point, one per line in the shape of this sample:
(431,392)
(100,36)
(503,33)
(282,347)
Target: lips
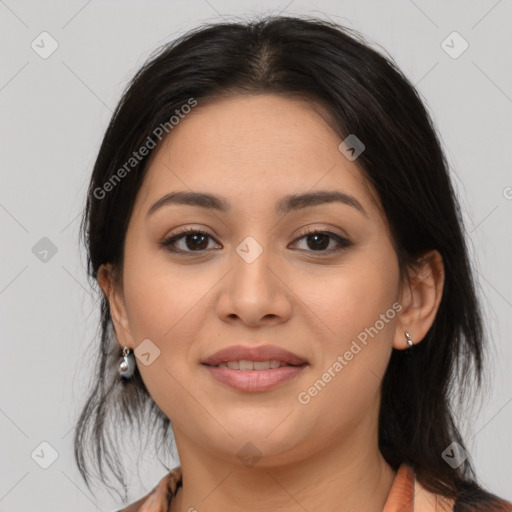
(255,354)
(254,369)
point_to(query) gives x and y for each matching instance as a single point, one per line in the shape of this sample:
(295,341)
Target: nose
(255,291)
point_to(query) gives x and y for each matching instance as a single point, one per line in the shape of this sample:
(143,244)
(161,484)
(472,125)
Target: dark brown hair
(365,94)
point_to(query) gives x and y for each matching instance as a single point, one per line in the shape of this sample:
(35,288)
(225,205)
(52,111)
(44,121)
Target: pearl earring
(409,341)
(126,364)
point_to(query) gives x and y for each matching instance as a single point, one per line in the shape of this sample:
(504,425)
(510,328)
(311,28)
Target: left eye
(322,239)
(197,241)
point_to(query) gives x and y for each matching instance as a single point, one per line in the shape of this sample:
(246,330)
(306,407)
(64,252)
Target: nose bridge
(254,291)
(251,268)
(250,250)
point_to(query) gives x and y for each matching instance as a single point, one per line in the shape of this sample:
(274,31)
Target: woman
(284,277)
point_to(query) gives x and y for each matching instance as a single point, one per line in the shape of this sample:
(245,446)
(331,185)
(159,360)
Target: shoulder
(160,496)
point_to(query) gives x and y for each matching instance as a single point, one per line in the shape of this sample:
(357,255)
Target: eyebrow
(287,204)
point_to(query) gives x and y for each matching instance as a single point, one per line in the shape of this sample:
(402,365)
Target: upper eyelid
(313,227)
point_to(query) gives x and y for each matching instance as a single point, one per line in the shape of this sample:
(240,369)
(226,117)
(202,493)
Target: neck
(351,475)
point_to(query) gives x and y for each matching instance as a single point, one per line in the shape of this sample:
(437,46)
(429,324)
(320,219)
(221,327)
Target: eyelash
(167,243)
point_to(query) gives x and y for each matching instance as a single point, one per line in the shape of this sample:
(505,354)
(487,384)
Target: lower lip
(254,380)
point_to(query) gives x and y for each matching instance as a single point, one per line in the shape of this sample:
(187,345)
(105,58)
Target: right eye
(195,241)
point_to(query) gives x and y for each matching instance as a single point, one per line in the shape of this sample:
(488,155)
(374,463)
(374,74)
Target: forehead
(253,149)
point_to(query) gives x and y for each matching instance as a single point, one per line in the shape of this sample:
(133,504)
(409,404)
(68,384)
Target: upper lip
(262,353)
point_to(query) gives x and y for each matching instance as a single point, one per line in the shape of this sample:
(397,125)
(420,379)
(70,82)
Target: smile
(252,365)
(254,376)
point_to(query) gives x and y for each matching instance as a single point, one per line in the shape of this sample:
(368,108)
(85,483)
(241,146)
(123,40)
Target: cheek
(160,295)
(167,305)
(354,309)
(159,308)
(352,297)
(154,303)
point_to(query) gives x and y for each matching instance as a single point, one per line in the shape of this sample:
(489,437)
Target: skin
(323,456)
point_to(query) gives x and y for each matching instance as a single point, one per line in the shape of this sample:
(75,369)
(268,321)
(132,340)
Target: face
(257,276)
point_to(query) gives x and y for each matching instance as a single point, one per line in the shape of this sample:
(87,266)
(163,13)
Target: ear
(114,295)
(420,299)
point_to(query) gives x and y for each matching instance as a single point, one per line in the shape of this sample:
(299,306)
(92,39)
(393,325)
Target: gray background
(54,113)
